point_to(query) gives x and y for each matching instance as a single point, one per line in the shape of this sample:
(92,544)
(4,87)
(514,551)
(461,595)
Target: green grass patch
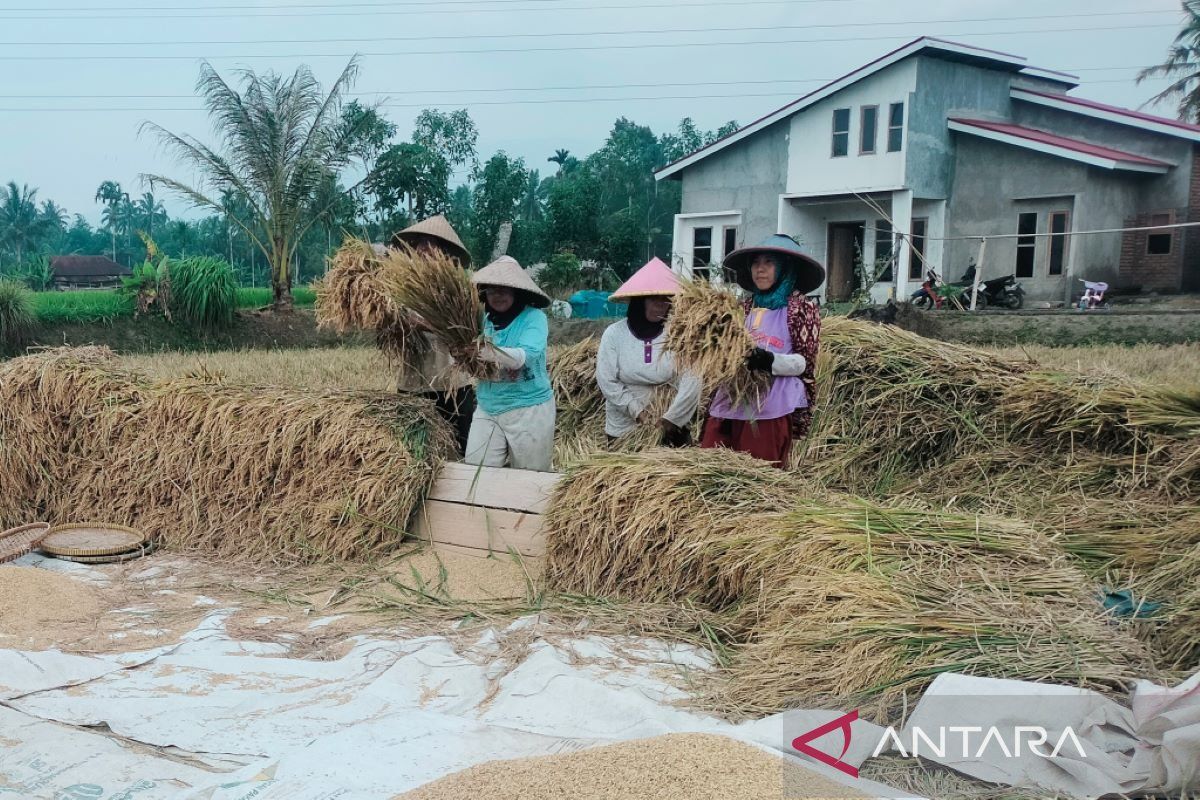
(81,306)
(259,296)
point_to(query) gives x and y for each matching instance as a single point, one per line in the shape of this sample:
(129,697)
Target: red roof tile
(1075,145)
(1125,112)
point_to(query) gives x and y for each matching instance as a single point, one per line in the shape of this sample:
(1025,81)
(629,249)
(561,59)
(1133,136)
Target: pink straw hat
(653,280)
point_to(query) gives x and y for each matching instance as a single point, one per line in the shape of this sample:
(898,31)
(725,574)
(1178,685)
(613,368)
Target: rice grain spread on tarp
(695,766)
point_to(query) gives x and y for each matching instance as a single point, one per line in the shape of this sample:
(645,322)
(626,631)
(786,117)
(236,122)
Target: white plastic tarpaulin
(216,718)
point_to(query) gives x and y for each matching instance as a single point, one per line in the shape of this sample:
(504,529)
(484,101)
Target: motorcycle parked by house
(999,293)
(927,296)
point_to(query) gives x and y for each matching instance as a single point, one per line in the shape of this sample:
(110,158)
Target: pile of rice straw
(352,297)
(830,597)
(708,337)
(900,414)
(435,287)
(268,474)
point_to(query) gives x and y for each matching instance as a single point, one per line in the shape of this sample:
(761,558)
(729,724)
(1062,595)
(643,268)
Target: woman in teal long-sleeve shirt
(513,423)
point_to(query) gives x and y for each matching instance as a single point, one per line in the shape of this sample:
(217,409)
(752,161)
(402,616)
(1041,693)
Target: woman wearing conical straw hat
(786,327)
(514,419)
(631,364)
(435,378)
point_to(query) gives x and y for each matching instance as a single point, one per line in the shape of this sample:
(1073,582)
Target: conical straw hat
(505,271)
(439,228)
(809,272)
(655,279)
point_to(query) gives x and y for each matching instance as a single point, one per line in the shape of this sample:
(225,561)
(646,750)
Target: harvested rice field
(993,515)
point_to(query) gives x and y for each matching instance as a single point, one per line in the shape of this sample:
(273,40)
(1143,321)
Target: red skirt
(768,439)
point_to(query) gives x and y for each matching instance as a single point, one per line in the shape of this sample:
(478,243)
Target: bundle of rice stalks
(57,408)
(891,404)
(265,474)
(352,296)
(440,292)
(641,525)
(707,334)
(868,603)
(869,639)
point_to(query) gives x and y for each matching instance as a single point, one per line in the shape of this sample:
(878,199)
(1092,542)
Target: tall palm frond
(277,139)
(1182,67)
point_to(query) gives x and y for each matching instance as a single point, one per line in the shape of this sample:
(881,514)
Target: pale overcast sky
(80,76)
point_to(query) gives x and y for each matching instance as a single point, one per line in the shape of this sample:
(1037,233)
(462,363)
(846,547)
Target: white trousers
(522,438)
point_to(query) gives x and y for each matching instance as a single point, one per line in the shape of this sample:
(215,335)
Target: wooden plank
(513,489)
(480,528)
(475,552)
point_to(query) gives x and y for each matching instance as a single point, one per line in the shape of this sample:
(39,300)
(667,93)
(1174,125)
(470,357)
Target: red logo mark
(843,722)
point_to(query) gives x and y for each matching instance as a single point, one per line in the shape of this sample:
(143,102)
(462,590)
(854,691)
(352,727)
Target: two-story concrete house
(945,142)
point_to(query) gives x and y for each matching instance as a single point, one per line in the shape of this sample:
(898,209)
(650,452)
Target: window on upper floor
(868,130)
(841,132)
(895,134)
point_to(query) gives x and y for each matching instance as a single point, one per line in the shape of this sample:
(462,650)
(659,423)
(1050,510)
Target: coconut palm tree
(560,157)
(110,194)
(21,226)
(1182,67)
(148,209)
(278,138)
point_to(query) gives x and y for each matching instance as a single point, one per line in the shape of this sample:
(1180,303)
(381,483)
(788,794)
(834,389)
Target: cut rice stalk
(708,337)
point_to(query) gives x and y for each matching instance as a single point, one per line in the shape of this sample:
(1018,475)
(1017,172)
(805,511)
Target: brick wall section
(1191,247)
(1151,272)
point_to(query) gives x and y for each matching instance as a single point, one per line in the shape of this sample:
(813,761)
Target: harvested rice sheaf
(352,296)
(708,337)
(893,595)
(440,292)
(266,474)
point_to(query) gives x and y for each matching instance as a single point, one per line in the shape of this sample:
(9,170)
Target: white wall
(685,225)
(811,165)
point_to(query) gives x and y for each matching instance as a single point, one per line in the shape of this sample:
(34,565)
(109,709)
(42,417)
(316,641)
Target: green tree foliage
(499,185)
(1181,67)
(21,224)
(561,275)
(452,136)
(412,178)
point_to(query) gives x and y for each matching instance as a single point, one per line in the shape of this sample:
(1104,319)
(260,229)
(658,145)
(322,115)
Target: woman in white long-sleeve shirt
(631,365)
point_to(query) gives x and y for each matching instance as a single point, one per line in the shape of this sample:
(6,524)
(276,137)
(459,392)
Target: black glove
(760,360)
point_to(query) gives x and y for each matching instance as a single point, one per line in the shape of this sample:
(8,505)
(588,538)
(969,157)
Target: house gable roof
(1061,146)
(925,45)
(1121,116)
(87,267)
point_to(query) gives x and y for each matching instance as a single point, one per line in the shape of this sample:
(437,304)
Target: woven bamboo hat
(505,271)
(809,272)
(439,228)
(655,279)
